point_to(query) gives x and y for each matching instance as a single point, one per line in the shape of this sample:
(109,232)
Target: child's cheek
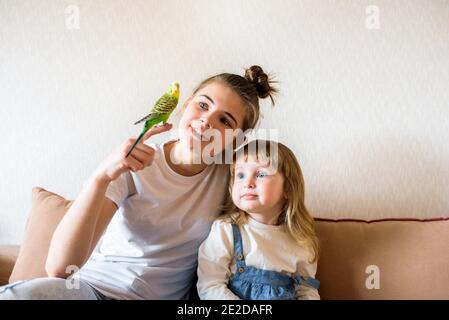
(235,193)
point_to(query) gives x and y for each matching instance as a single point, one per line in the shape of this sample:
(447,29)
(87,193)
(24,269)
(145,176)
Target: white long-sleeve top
(264,246)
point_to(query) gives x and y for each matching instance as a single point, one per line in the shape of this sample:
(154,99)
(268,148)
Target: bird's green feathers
(160,112)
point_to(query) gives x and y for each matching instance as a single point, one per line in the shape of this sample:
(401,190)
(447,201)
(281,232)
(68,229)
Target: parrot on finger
(160,112)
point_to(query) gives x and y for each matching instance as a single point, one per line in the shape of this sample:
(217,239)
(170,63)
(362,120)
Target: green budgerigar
(160,112)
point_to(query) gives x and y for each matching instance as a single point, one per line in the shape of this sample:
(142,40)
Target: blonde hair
(295,217)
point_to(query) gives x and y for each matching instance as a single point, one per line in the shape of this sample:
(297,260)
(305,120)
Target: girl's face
(215,108)
(258,190)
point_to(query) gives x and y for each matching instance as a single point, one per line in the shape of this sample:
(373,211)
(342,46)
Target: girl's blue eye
(261,174)
(203,105)
(240,175)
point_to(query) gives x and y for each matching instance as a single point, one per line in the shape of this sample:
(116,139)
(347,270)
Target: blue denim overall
(250,283)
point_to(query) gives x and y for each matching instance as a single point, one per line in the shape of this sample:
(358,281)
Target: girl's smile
(198,135)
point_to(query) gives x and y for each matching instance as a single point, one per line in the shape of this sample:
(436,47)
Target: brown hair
(254,85)
(296,219)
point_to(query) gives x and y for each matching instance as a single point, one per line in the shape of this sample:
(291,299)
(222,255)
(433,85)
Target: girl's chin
(195,145)
(196,149)
(248,208)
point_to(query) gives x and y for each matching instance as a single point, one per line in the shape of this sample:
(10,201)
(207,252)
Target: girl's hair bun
(260,79)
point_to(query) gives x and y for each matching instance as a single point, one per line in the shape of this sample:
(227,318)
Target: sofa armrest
(8,257)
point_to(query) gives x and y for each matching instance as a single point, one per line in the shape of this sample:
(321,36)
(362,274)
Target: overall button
(241,269)
(239,257)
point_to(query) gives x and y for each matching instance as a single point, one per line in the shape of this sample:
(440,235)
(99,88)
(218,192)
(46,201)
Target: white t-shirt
(265,246)
(150,248)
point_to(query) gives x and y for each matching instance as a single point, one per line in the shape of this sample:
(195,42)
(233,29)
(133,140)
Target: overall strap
(310,281)
(238,247)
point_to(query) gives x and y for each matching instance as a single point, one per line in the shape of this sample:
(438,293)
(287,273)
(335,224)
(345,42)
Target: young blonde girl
(265,247)
(135,228)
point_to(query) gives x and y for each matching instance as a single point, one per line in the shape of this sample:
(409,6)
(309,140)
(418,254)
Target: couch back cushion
(384,259)
(8,257)
(47,209)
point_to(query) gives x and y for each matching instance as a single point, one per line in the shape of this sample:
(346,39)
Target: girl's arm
(306,291)
(73,239)
(87,218)
(214,262)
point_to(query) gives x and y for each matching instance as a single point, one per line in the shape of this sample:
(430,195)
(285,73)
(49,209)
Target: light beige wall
(366,110)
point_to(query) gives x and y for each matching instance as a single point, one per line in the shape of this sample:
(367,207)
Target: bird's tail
(134,145)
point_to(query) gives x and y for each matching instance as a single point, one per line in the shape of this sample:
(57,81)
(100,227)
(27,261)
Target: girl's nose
(249,183)
(206,123)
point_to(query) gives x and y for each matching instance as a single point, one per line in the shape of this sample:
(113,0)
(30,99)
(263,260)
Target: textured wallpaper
(364,92)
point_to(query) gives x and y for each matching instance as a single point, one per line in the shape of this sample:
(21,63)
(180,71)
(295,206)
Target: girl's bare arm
(79,230)
(82,226)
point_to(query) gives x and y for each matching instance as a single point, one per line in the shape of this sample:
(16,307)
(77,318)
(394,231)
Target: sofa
(359,260)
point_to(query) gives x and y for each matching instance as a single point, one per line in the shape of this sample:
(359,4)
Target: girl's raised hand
(142,156)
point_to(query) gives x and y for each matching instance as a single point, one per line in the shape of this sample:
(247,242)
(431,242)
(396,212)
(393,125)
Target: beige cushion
(8,256)
(412,257)
(47,210)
